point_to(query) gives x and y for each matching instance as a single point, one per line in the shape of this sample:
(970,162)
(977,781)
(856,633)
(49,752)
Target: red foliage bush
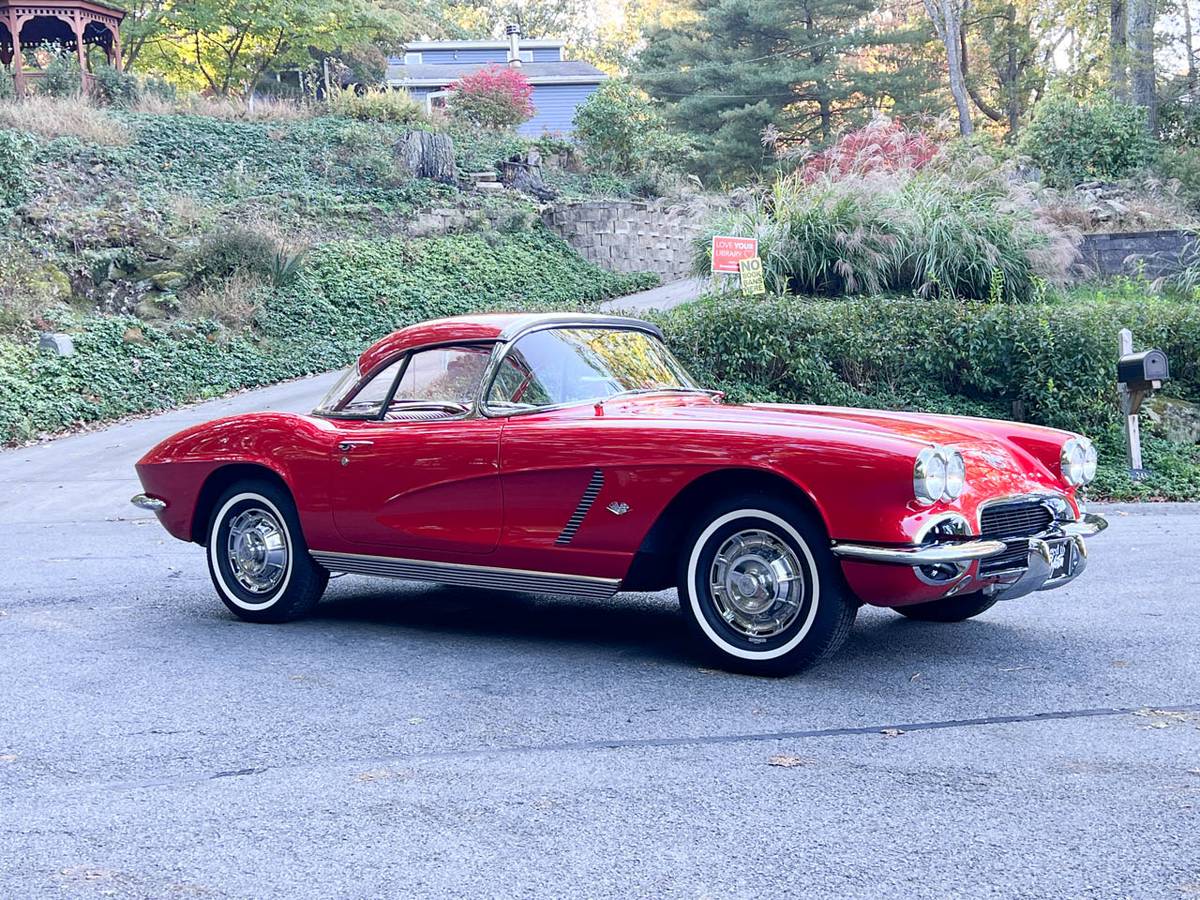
(497,96)
(882,146)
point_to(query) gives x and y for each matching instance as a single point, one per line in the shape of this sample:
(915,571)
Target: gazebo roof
(51,7)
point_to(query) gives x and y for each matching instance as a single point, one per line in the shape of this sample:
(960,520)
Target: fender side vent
(585,503)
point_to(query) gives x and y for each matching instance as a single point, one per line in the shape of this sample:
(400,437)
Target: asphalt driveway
(416,740)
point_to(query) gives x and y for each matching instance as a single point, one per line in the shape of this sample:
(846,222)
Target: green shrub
(928,232)
(1053,361)
(1073,141)
(8,87)
(382,105)
(28,285)
(113,87)
(1181,166)
(61,77)
(244,251)
(158,88)
(622,131)
(16,158)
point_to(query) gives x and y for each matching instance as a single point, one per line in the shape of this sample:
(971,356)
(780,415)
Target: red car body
(487,499)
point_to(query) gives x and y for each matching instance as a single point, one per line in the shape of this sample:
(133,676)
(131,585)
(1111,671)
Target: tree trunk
(1191,53)
(1118,51)
(947,22)
(1141,62)
(428,155)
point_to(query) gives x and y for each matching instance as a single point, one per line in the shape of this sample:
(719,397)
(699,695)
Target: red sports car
(572,454)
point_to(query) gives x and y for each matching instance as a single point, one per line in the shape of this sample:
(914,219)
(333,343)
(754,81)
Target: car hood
(1002,457)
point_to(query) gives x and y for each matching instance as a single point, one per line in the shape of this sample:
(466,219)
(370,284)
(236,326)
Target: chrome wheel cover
(757,583)
(257,550)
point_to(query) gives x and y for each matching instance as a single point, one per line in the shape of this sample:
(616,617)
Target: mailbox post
(1138,376)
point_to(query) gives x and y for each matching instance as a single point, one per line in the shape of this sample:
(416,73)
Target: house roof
(430,75)
(480,45)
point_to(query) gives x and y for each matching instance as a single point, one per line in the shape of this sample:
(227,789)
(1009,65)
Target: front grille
(1015,557)
(1012,521)
(1015,518)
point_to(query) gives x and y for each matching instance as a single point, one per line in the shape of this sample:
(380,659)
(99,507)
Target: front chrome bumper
(1055,556)
(145,501)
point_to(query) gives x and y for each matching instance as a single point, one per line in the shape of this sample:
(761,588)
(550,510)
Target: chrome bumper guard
(145,501)
(1056,556)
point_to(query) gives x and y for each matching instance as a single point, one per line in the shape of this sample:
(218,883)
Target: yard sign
(727,252)
(752,276)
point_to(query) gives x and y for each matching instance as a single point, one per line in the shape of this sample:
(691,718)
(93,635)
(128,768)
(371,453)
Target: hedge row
(1052,363)
(347,295)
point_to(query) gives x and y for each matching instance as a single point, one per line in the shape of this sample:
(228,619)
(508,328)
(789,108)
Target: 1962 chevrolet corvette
(572,454)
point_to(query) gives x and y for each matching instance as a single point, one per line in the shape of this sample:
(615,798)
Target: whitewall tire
(760,589)
(257,556)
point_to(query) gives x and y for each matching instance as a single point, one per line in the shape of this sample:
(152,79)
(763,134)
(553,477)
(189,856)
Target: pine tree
(741,69)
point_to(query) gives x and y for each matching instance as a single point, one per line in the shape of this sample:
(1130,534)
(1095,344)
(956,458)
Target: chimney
(514,45)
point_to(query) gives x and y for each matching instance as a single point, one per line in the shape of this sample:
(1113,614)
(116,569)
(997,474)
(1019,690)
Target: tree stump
(428,155)
(524,173)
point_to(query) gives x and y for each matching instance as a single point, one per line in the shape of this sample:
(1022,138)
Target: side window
(516,387)
(449,375)
(368,401)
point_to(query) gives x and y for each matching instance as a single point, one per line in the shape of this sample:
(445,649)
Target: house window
(527,56)
(412,59)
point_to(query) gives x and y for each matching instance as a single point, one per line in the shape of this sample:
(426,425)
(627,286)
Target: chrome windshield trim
(505,344)
(964,551)
(526,324)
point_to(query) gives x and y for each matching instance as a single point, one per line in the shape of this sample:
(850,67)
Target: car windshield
(570,365)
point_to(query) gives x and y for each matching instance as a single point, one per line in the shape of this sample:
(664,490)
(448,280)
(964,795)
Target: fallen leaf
(892,732)
(1120,663)
(7,757)
(786,762)
(415,720)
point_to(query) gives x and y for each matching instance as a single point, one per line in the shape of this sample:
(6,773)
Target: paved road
(420,741)
(665,296)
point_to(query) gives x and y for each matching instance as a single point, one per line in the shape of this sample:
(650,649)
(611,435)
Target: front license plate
(1060,559)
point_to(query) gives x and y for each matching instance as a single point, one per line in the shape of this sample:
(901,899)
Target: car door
(423,479)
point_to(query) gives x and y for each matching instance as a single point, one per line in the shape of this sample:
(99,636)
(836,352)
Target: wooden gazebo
(73,25)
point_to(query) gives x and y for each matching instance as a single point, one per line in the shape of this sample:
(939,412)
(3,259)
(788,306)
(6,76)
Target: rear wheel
(760,590)
(257,557)
(949,609)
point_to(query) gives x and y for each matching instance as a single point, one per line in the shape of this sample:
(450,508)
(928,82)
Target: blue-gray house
(427,68)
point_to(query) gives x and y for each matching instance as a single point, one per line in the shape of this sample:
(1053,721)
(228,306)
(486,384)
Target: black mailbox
(1142,371)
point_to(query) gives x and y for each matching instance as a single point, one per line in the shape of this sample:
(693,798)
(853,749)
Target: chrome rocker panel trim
(955,552)
(145,501)
(466,575)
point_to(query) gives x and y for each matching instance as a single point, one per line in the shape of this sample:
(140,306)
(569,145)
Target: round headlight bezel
(1077,461)
(939,474)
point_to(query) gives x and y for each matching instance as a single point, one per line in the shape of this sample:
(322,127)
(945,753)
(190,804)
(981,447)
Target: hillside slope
(187,256)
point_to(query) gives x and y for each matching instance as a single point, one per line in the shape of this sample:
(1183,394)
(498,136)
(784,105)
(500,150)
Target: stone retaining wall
(1157,252)
(634,235)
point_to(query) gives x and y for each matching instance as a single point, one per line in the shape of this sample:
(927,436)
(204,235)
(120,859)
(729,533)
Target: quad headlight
(939,474)
(1078,461)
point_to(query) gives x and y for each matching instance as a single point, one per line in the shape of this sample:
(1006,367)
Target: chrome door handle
(350,445)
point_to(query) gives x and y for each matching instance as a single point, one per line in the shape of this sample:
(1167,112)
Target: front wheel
(760,589)
(257,557)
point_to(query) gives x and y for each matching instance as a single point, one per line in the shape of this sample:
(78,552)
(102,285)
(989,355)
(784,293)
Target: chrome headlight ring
(1077,461)
(939,473)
